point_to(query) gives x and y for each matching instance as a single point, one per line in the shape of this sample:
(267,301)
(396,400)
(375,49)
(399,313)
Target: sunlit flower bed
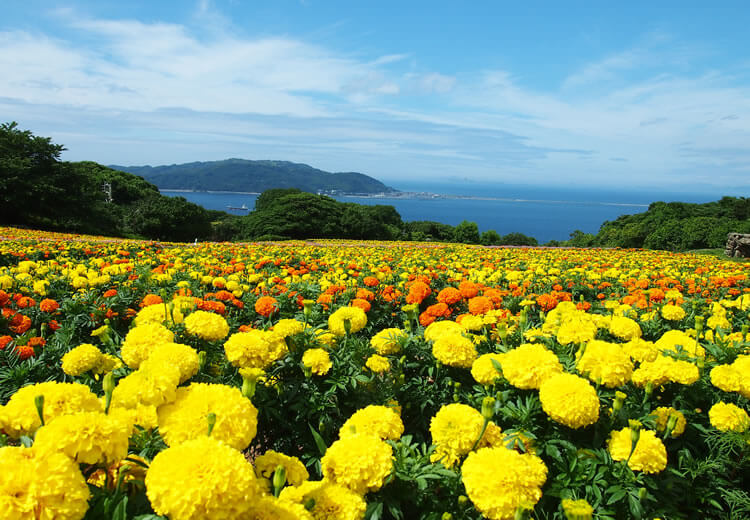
(342,380)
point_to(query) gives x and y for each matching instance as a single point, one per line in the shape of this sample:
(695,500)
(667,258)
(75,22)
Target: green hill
(254,176)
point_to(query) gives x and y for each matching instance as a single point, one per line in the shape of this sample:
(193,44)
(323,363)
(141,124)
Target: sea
(543,213)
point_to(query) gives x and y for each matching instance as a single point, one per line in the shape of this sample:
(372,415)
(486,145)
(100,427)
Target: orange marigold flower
(364,294)
(53,325)
(325,300)
(449,296)
(418,291)
(480,305)
(37,341)
(25,301)
(546,302)
(151,299)
(439,310)
(371,281)
(182,291)
(224,295)
(25,351)
(4,340)
(48,305)
(207,305)
(4,298)
(266,305)
(495,296)
(468,289)
(426,318)
(362,304)
(19,324)
(110,293)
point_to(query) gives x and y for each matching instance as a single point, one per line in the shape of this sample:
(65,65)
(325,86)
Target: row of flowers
(353,380)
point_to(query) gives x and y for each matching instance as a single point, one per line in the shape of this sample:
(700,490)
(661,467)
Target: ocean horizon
(543,213)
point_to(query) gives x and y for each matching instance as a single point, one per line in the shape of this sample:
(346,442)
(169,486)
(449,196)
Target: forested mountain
(254,176)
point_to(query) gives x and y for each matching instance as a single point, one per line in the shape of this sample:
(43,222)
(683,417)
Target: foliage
(254,176)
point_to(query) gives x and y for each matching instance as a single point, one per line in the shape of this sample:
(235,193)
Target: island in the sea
(242,175)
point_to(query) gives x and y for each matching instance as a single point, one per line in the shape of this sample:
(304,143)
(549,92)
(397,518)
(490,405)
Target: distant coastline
(419,195)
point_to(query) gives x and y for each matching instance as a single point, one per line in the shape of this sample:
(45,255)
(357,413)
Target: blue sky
(632,95)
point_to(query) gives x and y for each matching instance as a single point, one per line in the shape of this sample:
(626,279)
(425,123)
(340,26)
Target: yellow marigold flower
(330,501)
(483,369)
(605,363)
(650,455)
(269,508)
(718,321)
(569,400)
(455,429)
(728,417)
(141,340)
(207,325)
(672,338)
(81,359)
(742,365)
(533,335)
(359,462)
(325,337)
(437,329)
(727,378)
(498,481)
(107,363)
(151,385)
(201,478)
(665,370)
(454,350)
(266,464)
(254,349)
(288,327)
(317,360)
(529,365)
(378,364)
(577,509)
(20,416)
(142,415)
(625,328)
(159,314)
(672,312)
(576,328)
(382,421)
(663,415)
(387,341)
(36,484)
(640,350)
(354,315)
(472,323)
(184,357)
(86,437)
(186,417)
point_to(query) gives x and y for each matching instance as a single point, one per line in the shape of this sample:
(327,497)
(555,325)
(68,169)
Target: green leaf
(121,511)
(616,496)
(634,504)
(374,511)
(26,441)
(319,442)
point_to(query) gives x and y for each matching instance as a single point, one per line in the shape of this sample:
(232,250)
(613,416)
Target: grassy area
(718,253)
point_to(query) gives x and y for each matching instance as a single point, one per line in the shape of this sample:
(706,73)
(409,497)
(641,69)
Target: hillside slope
(254,176)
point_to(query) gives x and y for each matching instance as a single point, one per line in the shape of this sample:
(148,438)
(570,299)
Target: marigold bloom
(569,400)
(354,315)
(498,481)
(729,417)
(141,340)
(151,299)
(387,341)
(484,371)
(382,421)
(85,437)
(664,414)
(201,478)
(529,365)
(266,464)
(480,305)
(378,364)
(330,501)
(650,455)
(207,325)
(454,350)
(605,363)
(41,484)
(455,429)
(418,291)
(255,348)
(81,359)
(48,305)
(185,417)
(359,462)
(449,296)
(665,369)
(317,360)
(266,305)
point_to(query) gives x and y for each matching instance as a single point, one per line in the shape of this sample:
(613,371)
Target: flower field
(347,380)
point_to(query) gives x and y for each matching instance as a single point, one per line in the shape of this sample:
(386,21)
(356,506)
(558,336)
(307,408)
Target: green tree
(466,232)
(490,238)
